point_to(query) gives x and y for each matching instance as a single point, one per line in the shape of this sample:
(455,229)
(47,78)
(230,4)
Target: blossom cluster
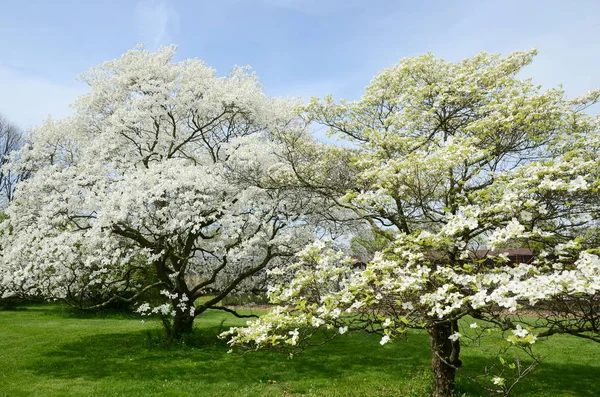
(166,168)
(462,163)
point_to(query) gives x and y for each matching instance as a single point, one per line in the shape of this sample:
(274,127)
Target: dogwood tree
(161,180)
(455,163)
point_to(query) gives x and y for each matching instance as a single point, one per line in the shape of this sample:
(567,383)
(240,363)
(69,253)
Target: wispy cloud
(311,7)
(295,5)
(28,100)
(157,22)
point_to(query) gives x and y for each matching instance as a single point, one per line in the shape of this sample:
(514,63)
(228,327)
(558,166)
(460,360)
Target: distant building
(515,255)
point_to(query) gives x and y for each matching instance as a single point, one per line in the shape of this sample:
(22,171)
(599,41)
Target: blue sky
(297,47)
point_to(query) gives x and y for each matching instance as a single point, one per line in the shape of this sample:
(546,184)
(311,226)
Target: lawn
(48,351)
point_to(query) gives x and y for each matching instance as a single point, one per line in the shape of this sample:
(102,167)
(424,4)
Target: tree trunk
(184,319)
(444,360)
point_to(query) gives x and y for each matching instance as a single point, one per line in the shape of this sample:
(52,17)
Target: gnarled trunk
(182,324)
(444,359)
(184,317)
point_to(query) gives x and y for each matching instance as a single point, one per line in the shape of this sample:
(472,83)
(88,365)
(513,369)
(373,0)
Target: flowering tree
(454,163)
(164,173)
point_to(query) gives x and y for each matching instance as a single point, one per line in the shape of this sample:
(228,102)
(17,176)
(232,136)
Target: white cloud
(28,100)
(157,22)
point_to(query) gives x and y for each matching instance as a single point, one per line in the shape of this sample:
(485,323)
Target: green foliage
(364,245)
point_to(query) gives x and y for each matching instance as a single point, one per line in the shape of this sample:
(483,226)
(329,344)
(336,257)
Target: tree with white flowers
(453,164)
(162,180)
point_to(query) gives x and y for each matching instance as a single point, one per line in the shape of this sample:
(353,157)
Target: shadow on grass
(12,308)
(136,356)
(548,379)
(104,313)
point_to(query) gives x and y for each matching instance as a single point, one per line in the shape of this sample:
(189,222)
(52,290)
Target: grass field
(48,351)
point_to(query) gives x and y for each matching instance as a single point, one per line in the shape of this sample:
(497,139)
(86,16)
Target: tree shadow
(548,378)
(136,356)
(139,356)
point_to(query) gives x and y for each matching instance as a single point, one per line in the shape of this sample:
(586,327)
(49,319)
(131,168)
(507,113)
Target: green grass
(46,351)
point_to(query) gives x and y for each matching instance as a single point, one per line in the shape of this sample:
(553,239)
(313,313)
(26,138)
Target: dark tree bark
(183,322)
(445,357)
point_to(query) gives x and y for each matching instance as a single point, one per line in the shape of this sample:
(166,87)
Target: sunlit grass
(47,351)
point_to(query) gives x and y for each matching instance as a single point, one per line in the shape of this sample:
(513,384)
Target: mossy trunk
(445,357)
